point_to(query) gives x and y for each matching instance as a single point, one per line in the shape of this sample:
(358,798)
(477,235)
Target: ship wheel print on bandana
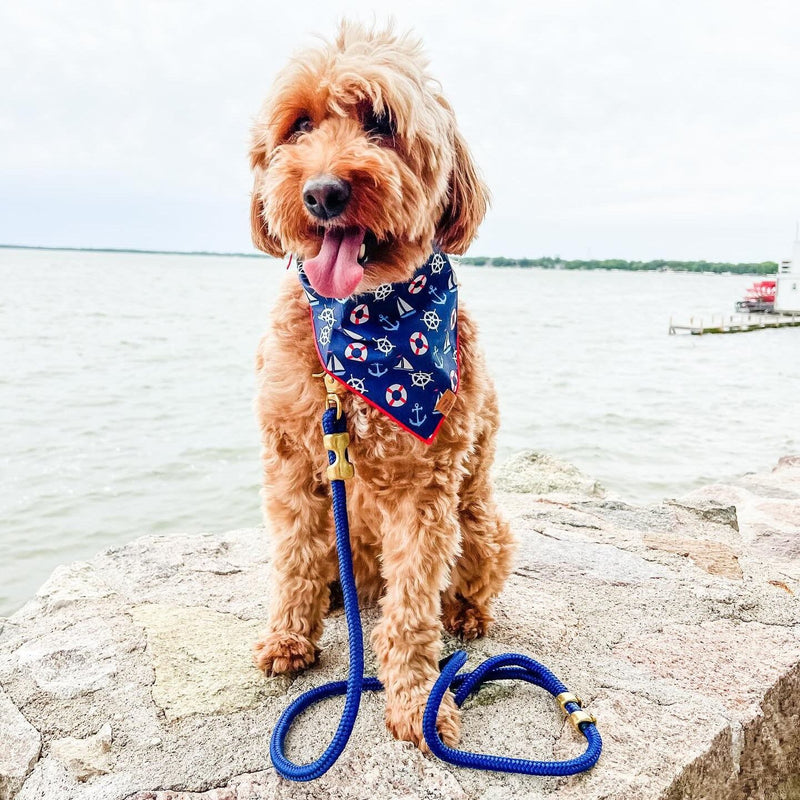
(396,346)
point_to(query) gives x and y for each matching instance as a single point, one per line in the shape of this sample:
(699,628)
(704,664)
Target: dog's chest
(374,435)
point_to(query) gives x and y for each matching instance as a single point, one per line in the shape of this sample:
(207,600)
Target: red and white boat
(760,297)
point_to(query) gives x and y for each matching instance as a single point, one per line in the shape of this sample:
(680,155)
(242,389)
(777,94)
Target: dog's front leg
(420,543)
(296,508)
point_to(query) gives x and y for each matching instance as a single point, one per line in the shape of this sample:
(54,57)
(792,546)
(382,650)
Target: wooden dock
(734,323)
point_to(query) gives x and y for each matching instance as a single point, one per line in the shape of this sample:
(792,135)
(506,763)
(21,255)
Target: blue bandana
(397,346)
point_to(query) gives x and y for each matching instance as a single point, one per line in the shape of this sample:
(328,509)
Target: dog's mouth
(339,266)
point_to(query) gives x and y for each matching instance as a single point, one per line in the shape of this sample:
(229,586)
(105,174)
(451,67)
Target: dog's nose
(326,196)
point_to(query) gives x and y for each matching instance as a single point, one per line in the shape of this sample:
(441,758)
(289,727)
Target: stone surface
(71,661)
(201,660)
(85,758)
(530,472)
(714,557)
(20,744)
(129,677)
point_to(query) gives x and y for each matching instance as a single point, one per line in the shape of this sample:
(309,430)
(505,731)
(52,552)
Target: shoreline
(494,262)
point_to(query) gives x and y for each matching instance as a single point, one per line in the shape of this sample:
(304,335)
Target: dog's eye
(379,125)
(301,125)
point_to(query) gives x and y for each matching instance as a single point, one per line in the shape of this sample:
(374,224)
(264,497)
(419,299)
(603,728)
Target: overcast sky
(624,128)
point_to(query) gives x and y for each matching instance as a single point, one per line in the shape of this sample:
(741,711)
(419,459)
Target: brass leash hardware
(578,716)
(568,697)
(332,388)
(337,443)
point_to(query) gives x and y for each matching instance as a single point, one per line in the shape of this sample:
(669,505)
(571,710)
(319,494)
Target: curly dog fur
(428,541)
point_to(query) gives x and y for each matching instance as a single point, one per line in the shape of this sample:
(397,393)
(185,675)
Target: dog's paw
(282,652)
(465,620)
(404,719)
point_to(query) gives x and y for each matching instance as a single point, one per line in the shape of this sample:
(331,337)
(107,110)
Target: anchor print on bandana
(399,343)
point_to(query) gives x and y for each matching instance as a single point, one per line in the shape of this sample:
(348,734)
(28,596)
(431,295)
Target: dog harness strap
(510,666)
(396,346)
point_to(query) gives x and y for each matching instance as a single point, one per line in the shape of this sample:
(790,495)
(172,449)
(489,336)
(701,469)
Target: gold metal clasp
(332,388)
(341,469)
(568,697)
(330,383)
(580,715)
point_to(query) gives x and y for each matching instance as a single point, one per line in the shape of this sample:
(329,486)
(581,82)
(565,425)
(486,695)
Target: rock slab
(20,744)
(129,677)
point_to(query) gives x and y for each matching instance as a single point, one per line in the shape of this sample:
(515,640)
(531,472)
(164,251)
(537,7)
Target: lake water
(126,391)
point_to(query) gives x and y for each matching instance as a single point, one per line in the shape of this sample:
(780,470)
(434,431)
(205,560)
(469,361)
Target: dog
(361,172)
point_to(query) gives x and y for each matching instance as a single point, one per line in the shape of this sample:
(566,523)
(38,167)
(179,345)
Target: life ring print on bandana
(356,351)
(418,284)
(396,395)
(360,314)
(419,343)
(395,346)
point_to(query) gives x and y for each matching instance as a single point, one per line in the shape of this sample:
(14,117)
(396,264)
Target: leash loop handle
(508,666)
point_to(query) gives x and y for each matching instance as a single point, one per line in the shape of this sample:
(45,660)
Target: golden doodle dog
(361,172)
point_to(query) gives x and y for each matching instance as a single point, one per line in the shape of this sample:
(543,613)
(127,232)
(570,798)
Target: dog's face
(359,167)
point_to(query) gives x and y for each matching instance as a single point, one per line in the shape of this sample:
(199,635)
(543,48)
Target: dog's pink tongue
(335,271)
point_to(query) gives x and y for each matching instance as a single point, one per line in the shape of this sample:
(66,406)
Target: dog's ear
(259,231)
(468,198)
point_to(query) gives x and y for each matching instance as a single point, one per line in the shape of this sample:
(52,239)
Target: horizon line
(258,254)
(255,254)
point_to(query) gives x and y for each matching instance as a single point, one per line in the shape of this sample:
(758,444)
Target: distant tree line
(763,268)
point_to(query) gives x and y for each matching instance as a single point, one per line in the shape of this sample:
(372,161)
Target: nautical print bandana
(395,347)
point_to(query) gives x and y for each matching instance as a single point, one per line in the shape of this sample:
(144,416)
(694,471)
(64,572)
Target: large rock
(20,745)
(130,676)
(529,472)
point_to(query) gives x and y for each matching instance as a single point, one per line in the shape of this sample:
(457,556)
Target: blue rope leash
(509,666)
